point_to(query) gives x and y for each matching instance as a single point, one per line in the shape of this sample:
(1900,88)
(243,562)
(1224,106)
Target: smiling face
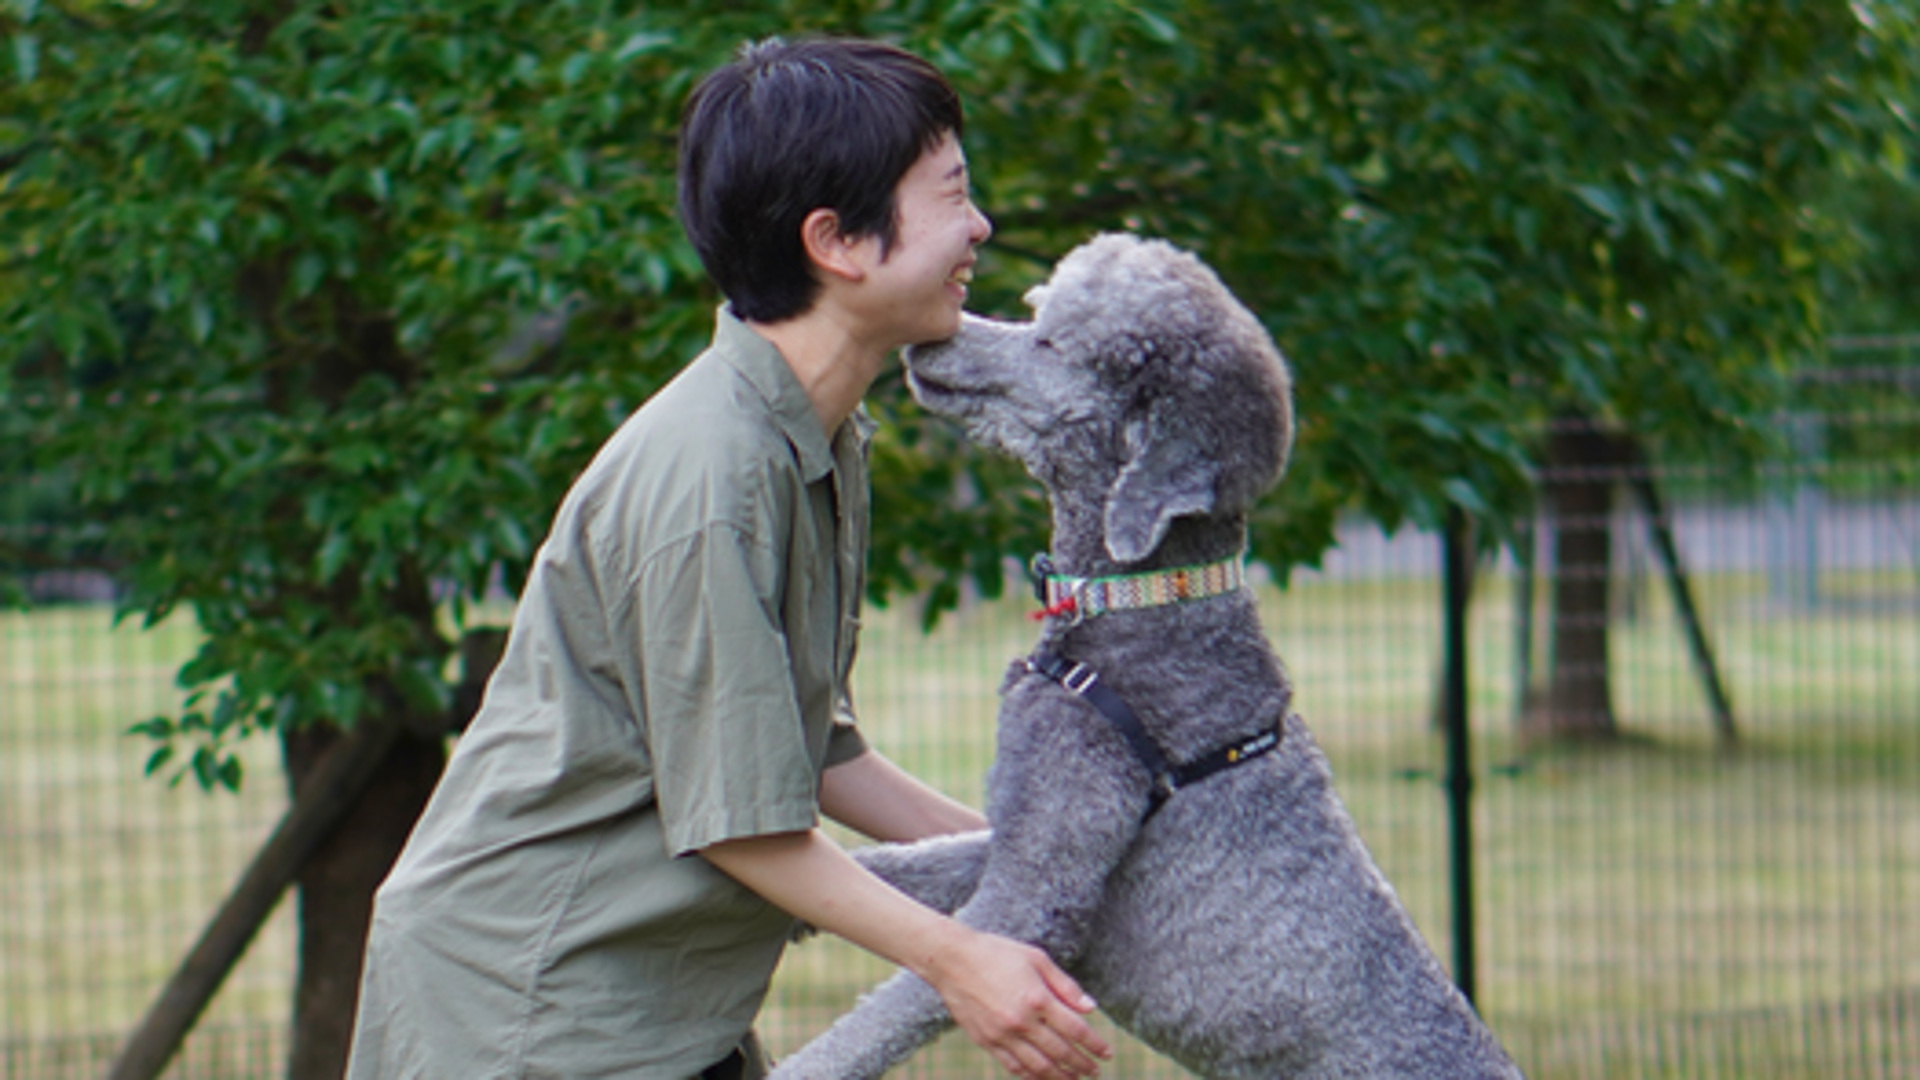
(917,285)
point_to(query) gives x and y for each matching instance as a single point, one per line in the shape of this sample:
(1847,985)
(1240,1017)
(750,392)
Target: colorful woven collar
(1080,598)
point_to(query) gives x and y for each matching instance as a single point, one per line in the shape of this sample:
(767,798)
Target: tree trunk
(1578,485)
(336,890)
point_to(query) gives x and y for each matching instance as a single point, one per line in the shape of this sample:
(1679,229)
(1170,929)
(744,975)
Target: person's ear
(831,250)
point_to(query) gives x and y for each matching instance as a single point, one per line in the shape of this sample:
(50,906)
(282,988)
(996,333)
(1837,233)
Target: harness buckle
(1079,678)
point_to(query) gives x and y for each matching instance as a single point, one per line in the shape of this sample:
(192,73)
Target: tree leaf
(1599,200)
(26,57)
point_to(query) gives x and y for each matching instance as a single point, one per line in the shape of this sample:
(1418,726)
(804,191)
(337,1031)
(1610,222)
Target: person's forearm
(876,798)
(812,878)
(1006,995)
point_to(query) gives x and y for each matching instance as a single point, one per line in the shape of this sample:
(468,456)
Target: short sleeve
(844,744)
(723,721)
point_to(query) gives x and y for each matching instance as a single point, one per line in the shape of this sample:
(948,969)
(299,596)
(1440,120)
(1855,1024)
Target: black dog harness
(1084,682)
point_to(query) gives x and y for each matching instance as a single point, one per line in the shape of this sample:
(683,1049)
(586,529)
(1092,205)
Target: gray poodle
(1163,823)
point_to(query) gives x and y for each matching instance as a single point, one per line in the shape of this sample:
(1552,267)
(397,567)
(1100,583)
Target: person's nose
(982,225)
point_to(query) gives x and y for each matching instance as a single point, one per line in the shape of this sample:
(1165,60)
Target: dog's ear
(1168,474)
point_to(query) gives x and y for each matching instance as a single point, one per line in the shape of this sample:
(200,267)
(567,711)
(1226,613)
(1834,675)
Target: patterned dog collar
(1081,598)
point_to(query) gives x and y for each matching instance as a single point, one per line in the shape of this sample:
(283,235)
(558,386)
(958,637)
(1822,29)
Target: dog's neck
(1079,551)
(1080,543)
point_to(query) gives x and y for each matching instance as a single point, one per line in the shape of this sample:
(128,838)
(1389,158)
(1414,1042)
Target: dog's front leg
(904,1013)
(941,873)
(880,1031)
(1066,798)
(1065,804)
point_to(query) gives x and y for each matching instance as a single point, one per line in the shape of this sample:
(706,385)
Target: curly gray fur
(1244,930)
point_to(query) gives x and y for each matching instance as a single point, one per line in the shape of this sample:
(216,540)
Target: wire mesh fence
(1668,902)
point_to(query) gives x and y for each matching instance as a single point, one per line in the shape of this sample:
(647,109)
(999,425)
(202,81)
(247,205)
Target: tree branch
(333,791)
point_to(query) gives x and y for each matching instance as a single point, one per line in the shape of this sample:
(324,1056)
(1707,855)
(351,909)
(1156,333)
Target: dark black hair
(791,127)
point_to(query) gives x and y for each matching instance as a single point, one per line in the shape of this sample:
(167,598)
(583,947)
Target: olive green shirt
(676,675)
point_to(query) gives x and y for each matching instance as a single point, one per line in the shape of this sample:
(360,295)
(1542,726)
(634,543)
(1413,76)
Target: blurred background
(1605,324)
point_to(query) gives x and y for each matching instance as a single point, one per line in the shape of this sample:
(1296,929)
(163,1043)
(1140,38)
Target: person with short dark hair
(612,865)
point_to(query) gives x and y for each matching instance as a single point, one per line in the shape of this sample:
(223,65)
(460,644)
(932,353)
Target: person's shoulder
(709,417)
(706,449)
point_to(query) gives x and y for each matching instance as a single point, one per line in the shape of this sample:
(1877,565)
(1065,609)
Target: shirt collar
(760,363)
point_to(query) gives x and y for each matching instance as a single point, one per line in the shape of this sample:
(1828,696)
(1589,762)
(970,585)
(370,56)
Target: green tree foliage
(1459,223)
(325,308)
(1879,294)
(322,305)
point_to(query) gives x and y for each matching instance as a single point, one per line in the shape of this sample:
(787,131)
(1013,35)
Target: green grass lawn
(1664,907)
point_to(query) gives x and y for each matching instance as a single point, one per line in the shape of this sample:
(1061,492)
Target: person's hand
(1014,1002)
(1008,997)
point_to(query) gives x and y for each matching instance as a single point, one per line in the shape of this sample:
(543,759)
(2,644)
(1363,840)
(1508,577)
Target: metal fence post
(1455,551)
